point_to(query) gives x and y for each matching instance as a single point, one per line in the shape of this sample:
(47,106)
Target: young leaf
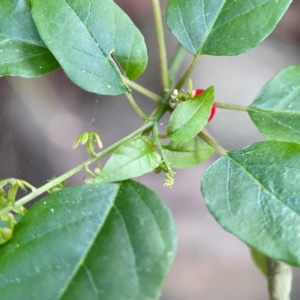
(254,193)
(86,36)
(188,154)
(134,158)
(276,110)
(223,27)
(108,241)
(22,52)
(189,118)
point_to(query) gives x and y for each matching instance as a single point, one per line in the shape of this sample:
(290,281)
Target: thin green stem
(212,143)
(142,90)
(175,64)
(188,72)
(161,45)
(135,107)
(279,280)
(159,146)
(86,168)
(169,181)
(153,112)
(163,136)
(160,111)
(75,170)
(232,106)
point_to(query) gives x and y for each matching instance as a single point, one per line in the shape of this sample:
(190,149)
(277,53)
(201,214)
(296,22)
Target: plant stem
(159,146)
(160,111)
(175,64)
(135,107)
(163,136)
(75,170)
(142,90)
(188,72)
(161,45)
(279,280)
(232,106)
(169,181)
(212,143)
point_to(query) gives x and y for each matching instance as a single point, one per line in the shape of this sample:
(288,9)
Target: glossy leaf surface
(22,51)
(85,36)
(134,158)
(188,154)
(254,193)
(190,117)
(106,241)
(276,110)
(223,27)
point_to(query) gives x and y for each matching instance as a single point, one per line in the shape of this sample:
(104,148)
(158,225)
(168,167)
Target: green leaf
(132,159)
(254,193)
(276,110)
(22,52)
(188,154)
(190,117)
(259,260)
(223,27)
(109,241)
(85,37)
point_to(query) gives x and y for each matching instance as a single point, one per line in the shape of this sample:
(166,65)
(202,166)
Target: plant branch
(142,90)
(188,72)
(212,143)
(135,107)
(279,280)
(73,171)
(161,45)
(232,106)
(160,111)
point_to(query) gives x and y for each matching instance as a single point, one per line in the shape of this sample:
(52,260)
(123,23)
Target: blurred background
(40,119)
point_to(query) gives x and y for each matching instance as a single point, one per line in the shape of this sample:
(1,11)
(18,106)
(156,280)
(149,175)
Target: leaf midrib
(23,41)
(88,249)
(182,126)
(150,153)
(110,61)
(264,111)
(260,184)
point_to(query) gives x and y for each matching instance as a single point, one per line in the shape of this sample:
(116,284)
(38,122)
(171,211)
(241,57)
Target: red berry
(198,92)
(213,108)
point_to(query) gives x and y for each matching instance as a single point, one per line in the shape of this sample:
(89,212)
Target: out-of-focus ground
(40,118)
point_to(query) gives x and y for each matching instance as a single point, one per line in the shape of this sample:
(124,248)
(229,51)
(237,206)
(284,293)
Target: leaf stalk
(135,107)
(279,280)
(221,151)
(188,72)
(232,106)
(135,86)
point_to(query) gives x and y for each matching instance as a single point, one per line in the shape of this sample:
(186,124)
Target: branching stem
(75,170)
(159,112)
